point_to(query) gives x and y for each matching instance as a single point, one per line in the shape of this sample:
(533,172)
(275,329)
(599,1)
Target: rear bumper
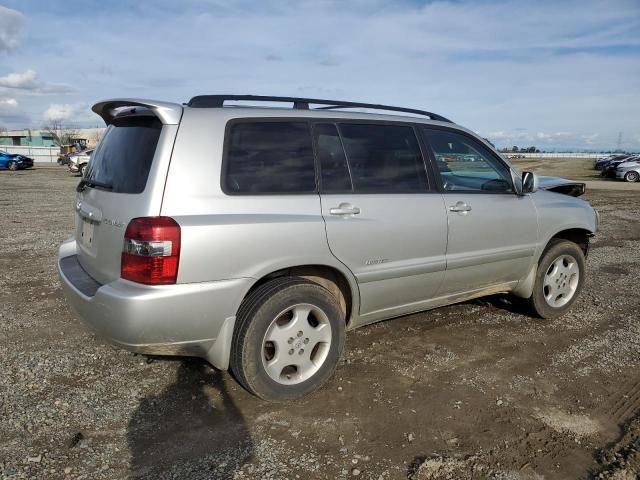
(184,319)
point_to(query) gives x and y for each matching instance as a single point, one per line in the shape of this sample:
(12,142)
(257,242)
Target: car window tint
(383,158)
(269,157)
(334,171)
(124,155)
(466,165)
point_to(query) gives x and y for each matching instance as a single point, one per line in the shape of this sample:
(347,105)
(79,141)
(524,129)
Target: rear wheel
(13,166)
(288,339)
(632,176)
(559,279)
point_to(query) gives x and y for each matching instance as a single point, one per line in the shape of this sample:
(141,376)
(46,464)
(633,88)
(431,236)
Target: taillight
(151,251)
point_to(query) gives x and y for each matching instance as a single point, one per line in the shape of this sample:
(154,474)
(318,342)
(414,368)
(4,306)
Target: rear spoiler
(168,113)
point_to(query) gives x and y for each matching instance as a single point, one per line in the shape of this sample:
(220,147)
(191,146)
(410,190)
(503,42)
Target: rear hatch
(124,180)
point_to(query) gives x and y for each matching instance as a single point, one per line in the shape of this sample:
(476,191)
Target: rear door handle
(344,209)
(460,207)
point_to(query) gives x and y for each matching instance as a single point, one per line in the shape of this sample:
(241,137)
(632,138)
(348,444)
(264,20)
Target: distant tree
(60,135)
(96,136)
(515,149)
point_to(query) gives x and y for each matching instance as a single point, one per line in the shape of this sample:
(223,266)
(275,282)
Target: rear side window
(334,169)
(383,158)
(269,157)
(123,158)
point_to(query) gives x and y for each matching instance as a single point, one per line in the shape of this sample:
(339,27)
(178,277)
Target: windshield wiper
(85,182)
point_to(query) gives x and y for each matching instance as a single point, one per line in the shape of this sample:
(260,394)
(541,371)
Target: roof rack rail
(217,101)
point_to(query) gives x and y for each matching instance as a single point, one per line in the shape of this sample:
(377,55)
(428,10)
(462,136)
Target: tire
(82,168)
(263,344)
(559,279)
(13,166)
(632,176)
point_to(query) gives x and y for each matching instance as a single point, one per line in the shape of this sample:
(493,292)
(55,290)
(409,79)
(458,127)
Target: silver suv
(255,237)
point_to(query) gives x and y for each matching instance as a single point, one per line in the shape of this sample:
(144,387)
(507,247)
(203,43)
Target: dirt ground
(574,168)
(475,390)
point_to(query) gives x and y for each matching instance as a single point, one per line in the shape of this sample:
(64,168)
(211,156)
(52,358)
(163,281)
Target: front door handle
(344,209)
(460,207)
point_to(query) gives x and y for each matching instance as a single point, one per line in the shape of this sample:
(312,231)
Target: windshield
(123,158)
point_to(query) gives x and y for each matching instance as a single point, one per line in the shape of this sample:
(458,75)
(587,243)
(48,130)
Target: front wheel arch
(560,271)
(579,236)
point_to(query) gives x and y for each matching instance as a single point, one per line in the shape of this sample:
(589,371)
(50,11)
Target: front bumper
(73,168)
(184,319)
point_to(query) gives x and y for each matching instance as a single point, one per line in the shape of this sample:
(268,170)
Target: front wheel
(559,279)
(288,339)
(632,176)
(83,167)
(13,166)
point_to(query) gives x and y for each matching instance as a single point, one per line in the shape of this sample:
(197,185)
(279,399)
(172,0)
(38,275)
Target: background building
(51,137)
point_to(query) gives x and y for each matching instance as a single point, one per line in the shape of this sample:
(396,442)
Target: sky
(554,74)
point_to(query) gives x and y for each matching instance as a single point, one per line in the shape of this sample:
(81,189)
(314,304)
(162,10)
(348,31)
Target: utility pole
(619,144)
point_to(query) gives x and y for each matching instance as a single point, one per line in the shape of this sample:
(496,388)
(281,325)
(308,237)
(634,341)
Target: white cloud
(60,112)
(28,80)
(10,29)
(23,81)
(11,113)
(8,103)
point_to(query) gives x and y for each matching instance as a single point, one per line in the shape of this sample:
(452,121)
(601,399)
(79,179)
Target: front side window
(269,157)
(383,158)
(466,165)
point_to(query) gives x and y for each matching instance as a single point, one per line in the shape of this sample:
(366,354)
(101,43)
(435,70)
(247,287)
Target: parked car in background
(256,237)
(629,170)
(13,161)
(609,170)
(78,161)
(602,163)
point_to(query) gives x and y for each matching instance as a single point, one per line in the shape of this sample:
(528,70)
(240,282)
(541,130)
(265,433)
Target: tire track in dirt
(624,404)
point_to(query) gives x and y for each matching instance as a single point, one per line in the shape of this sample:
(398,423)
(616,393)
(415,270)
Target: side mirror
(529,182)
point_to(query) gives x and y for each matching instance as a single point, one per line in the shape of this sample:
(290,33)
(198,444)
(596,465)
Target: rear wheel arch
(295,367)
(326,276)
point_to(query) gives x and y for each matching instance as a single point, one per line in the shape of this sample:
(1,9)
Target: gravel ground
(475,390)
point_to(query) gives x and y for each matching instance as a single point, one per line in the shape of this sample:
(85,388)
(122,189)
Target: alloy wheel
(561,281)
(296,344)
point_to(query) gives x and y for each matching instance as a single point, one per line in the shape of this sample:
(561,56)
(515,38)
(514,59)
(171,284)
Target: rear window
(123,158)
(269,157)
